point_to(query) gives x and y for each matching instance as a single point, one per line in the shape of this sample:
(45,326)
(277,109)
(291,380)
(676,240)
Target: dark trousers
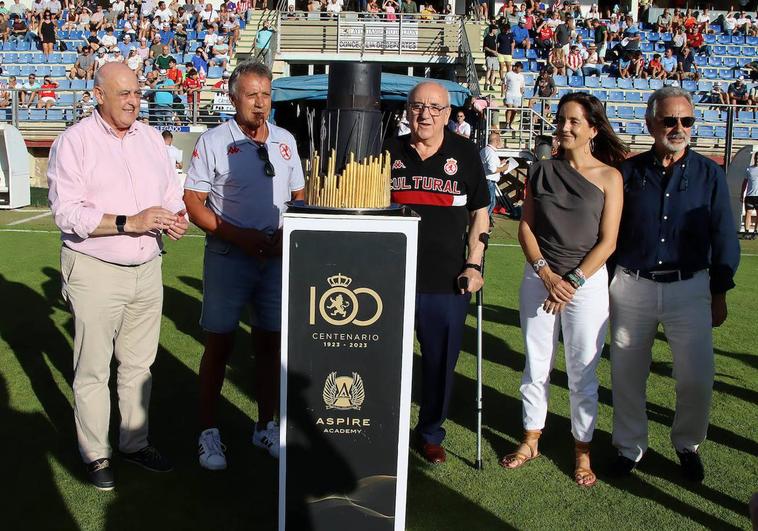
(440,319)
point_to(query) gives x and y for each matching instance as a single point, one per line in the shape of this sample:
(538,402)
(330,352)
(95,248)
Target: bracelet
(473,266)
(577,280)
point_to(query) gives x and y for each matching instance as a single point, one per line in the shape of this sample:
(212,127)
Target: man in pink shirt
(113,191)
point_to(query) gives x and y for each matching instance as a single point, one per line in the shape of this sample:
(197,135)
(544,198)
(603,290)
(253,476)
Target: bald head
(428,113)
(432,86)
(494,139)
(118,96)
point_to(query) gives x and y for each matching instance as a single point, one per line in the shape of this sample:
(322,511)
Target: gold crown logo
(339,280)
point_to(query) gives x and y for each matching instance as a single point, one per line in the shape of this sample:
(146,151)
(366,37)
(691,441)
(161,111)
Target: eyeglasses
(671,121)
(434,110)
(268,168)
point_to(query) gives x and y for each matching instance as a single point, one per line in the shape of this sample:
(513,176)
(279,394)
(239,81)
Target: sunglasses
(268,168)
(671,121)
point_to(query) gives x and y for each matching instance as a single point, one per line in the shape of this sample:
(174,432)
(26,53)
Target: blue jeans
(492,186)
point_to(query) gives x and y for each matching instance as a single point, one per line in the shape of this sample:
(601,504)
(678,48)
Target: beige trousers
(116,310)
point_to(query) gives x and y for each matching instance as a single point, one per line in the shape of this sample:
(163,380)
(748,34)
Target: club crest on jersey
(284,149)
(398,165)
(451,166)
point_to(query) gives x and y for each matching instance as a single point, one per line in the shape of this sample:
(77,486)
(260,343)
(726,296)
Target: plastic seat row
(39,71)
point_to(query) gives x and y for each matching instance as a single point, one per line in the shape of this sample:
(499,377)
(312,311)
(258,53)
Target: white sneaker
(211,450)
(268,439)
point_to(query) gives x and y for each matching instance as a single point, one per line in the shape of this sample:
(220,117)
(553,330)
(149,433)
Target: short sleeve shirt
(668,63)
(443,189)
(226,165)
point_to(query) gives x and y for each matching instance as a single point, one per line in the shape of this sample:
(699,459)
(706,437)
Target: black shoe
(151,459)
(692,466)
(101,474)
(622,466)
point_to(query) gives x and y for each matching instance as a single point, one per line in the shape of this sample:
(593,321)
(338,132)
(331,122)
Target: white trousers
(583,323)
(638,305)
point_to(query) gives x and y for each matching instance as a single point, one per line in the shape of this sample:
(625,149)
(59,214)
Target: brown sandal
(517,458)
(583,475)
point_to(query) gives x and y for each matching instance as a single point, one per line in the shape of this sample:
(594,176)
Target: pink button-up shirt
(92,172)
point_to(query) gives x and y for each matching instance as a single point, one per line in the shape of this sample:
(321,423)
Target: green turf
(43,481)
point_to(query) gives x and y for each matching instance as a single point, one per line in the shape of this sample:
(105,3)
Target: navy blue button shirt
(678,219)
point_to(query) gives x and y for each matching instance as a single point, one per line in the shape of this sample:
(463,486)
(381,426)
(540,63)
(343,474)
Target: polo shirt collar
(657,161)
(107,127)
(240,137)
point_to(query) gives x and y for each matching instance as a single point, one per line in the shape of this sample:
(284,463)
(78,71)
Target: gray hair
(412,93)
(248,68)
(662,94)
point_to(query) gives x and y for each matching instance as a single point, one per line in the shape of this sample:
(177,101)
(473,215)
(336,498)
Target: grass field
(44,485)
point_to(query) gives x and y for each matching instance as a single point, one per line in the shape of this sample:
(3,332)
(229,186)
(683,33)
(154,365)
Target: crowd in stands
(562,39)
(169,46)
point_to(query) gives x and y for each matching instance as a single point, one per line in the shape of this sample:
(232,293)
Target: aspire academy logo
(343,392)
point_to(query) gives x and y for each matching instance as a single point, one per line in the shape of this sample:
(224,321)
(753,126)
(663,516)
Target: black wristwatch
(120,223)
(473,266)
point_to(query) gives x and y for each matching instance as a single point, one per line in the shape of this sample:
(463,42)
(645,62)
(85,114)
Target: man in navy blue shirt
(676,256)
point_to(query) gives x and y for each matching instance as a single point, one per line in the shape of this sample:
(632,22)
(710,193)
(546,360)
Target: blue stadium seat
(634,128)
(89,84)
(23,46)
(667,37)
(54,58)
(639,113)
(754,133)
(748,51)
(532,54)
(26,70)
(742,61)
(617,126)
(641,84)
(534,66)
(746,118)
(563,91)
(616,95)
(529,78)
(689,85)
(78,84)
(201,35)
(752,40)
(730,62)
(43,70)
(634,96)
(37,58)
(23,115)
(592,82)
(9,57)
(653,36)
(528,92)
(712,116)
(191,35)
(519,54)
(741,132)
(64,84)
(37,115)
(55,115)
(733,50)
(715,60)
(215,72)
(709,38)
(655,84)
(724,39)
(609,83)
(738,39)
(705,131)
(5,115)
(194,45)
(710,73)
(660,47)
(560,81)
(647,47)
(23,58)
(13,70)
(698,114)
(716,28)
(576,81)
(10,45)
(625,83)
(719,132)
(719,49)
(726,74)
(600,94)
(701,60)
(65,98)
(58,71)
(68,57)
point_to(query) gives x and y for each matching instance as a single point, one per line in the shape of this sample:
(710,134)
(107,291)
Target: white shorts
(513,101)
(47,99)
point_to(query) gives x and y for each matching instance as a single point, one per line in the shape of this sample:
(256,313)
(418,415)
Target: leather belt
(673,275)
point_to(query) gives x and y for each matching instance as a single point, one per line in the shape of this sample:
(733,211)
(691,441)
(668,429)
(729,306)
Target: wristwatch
(539,264)
(120,223)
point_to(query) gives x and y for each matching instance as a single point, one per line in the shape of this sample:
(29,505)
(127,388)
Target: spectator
(156,48)
(505,47)
(544,88)
(716,96)
(220,53)
(166,35)
(593,65)
(654,68)
(180,39)
(637,67)
(163,13)
(493,167)
(101,59)
(664,21)
(6,98)
(84,67)
(334,8)
(704,21)
(4,28)
(17,8)
(687,69)
(126,45)
(28,90)
(737,95)
(174,154)
(669,64)
(192,86)
(109,40)
(631,40)
(514,91)
(262,46)
(163,99)
(47,34)
(695,41)
(574,61)
(409,7)
(521,36)
(86,105)
(460,126)
(557,59)
(134,61)
(624,66)
(173,73)
(729,23)
(200,61)
(600,32)
(162,60)
(390,7)
(46,94)
(143,51)
(207,17)
(544,40)
(491,58)
(563,35)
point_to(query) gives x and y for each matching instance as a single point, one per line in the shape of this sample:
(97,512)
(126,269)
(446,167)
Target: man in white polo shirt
(241,174)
